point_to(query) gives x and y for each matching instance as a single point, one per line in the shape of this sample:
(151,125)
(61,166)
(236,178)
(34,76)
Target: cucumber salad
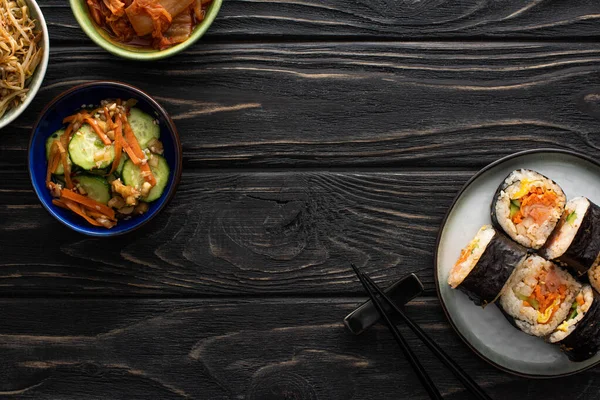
(106,164)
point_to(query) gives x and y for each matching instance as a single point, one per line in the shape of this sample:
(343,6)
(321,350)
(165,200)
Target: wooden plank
(231,349)
(254,233)
(291,19)
(345,104)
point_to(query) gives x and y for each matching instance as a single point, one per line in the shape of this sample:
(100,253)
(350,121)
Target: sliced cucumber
(87,150)
(56,135)
(95,187)
(143,127)
(122,161)
(132,177)
(99,172)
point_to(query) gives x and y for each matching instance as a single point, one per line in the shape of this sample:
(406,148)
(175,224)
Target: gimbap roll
(594,274)
(579,334)
(576,240)
(539,296)
(485,265)
(527,207)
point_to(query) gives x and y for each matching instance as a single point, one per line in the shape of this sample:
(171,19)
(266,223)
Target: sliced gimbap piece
(576,240)
(485,265)
(539,296)
(594,274)
(579,334)
(527,206)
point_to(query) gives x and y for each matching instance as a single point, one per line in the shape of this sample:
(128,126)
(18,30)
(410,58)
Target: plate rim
(437,246)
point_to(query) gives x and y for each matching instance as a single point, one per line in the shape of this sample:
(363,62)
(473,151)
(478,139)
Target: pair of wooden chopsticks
(373,290)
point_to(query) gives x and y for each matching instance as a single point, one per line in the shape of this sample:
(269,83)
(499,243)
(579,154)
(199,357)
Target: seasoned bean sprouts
(19,52)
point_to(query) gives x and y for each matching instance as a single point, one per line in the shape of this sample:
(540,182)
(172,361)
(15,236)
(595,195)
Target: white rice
(565,232)
(568,326)
(523,282)
(527,232)
(476,247)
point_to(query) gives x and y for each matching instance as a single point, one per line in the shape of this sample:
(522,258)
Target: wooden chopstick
(408,353)
(465,379)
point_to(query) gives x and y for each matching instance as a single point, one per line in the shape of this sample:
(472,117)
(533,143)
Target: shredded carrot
(71,118)
(464,254)
(66,137)
(132,140)
(127,148)
(59,203)
(118,144)
(96,214)
(148,175)
(135,146)
(91,203)
(580,299)
(77,209)
(91,122)
(54,159)
(518,217)
(108,118)
(65,163)
(64,141)
(562,290)
(526,303)
(546,298)
(130,153)
(536,204)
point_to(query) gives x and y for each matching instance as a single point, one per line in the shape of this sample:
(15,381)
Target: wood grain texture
(252,350)
(295,19)
(368,104)
(260,234)
(306,145)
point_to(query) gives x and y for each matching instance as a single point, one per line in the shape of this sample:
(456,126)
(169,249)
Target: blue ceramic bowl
(68,103)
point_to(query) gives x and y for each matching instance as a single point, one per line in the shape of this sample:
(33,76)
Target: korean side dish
(158,24)
(539,262)
(106,164)
(20,53)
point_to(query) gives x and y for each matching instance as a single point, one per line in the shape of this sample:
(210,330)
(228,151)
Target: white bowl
(38,75)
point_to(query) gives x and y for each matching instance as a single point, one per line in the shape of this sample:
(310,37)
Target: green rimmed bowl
(103,39)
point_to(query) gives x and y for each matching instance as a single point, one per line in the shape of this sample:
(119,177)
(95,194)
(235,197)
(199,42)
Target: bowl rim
(40,70)
(178,167)
(438,240)
(90,29)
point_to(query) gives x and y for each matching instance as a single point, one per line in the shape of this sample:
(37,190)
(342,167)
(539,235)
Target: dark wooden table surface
(314,133)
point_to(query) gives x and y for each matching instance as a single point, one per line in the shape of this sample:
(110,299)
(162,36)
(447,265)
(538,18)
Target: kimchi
(159,24)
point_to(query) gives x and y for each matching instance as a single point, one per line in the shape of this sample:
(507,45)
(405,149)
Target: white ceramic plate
(487,331)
